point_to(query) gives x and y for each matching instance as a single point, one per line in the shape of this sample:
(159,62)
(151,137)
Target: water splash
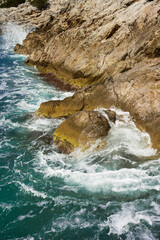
(13,34)
(108,194)
(125,136)
(30,190)
(104,114)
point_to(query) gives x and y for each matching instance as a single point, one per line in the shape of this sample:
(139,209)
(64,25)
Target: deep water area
(109,194)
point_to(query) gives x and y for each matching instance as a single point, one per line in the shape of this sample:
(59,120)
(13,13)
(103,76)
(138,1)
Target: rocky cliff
(90,41)
(109,50)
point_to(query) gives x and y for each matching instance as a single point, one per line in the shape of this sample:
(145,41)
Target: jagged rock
(27,16)
(111,115)
(110,47)
(137,91)
(81,129)
(61,108)
(81,43)
(21,49)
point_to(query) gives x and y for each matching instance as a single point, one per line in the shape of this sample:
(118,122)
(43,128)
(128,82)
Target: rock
(111,115)
(57,82)
(80,44)
(108,48)
(60,108)
(26,15)
(21,49)
(136,91)
(81,130)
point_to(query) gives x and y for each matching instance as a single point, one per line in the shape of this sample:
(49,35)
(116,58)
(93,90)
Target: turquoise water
(111,194)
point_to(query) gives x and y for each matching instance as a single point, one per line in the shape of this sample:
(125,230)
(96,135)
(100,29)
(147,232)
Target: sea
(110,194)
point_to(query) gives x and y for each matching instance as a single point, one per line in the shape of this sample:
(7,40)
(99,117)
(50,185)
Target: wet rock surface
(108,49)
(81,130)
(137,91)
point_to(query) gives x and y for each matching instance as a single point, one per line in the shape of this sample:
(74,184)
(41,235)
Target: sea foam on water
(108,194)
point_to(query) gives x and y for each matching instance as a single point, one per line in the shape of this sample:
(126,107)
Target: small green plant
(40,4)
(10,3)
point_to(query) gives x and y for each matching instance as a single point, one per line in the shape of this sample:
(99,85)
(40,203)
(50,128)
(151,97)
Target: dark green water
(109,195)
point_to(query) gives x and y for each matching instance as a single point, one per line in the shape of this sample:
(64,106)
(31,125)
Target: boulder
(81,130)
(108,48)
(136,91)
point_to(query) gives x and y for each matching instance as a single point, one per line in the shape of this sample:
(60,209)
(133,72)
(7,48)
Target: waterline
(108,194)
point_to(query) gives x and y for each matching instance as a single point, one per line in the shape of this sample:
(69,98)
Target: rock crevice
(108,50)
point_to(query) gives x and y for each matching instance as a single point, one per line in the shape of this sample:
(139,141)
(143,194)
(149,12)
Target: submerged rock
(81,130)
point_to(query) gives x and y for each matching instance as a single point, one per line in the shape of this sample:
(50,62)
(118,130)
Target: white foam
(82,170)
(120,222)
(5,206)
(3,86)
(125,135)
(13,34)
(96,178)
(85,171)
(3,95)
(104,114)
(22,217)
(8,123)
(32,191)
(34,98)
(42,124)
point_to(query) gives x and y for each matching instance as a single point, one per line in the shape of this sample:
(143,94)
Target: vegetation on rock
(10,3)
(40,4)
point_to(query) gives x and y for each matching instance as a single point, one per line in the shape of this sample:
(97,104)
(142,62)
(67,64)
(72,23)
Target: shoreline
(115,64)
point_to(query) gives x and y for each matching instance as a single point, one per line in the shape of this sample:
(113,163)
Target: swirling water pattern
(110,194)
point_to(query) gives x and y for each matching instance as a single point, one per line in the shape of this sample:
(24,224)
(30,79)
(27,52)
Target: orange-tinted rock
(111,48)
(136,91)
(81,130)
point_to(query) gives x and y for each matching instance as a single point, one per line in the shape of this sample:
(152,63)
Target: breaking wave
(109,194)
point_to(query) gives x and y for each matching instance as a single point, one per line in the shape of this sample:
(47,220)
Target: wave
(13,34)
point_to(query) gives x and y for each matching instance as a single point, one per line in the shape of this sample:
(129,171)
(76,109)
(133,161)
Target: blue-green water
(111,194)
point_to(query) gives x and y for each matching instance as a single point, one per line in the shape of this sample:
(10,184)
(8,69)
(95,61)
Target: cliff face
(90,41)
(112,47)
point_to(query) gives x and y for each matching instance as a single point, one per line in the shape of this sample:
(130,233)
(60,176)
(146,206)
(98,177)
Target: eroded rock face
(136,91)
(90,41)
(81,129)
(20,49)
(110,48)
(60,108)
(25,15)
(28,16)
